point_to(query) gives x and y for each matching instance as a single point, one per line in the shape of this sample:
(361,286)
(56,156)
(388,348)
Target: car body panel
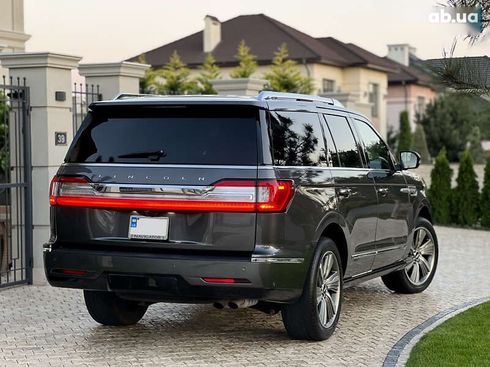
(273,251)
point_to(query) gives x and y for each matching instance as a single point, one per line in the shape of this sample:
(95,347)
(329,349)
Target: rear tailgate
(193,165)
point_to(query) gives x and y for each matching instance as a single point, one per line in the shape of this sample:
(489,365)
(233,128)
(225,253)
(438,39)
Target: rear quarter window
(208,135)
(297,139)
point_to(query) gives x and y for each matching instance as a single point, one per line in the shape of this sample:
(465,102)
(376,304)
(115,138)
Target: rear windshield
(169,135)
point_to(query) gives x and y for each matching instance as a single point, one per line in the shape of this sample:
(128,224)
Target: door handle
(345,192)
(383,191)
(412,190)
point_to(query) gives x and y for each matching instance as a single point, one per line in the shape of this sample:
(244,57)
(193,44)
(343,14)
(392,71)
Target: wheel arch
(335,228)
(424,211)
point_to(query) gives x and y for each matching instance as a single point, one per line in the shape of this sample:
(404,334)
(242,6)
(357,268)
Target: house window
(420,108)
(374,99)
(328,85)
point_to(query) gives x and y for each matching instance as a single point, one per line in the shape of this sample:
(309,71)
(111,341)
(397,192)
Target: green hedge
(440,194)
(463,205)
(485,197)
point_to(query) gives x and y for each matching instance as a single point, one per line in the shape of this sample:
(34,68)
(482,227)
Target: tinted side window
(297,139)
(332,156)
(347,149)
(377,153)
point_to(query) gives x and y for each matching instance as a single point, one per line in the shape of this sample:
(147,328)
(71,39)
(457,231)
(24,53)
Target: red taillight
(226,280)
(280,194)
(76,272)
(56,183)
(224,196)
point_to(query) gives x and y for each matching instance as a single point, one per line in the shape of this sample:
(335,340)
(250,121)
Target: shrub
(247,63)
(405,135)
(419,144)
(485,197)
(440,189)
(209,71)
(285,76)
(176,75)
(474,145)
(466,206)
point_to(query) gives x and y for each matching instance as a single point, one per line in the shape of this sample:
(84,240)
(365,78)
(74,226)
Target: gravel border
(400,352)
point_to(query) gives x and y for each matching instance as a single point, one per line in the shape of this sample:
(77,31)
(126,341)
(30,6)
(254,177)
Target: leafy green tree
(285,76)
(405,134)
(474,145)
(392,138)
(483,118)
(209,71)
(176,77)
(485,197)
(440,193)
(148,84)
(247,62)
(447,122)
(419,144)
(466,208)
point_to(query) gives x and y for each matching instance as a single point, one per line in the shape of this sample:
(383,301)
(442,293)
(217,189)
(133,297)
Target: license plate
(148,228)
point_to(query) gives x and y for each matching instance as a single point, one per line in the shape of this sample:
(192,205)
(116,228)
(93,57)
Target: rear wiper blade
(153,155)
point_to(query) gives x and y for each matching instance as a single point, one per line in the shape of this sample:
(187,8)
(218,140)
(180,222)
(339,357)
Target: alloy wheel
(422,257)
(328,289)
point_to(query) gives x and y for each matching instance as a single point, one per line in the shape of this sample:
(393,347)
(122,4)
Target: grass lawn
(463,340)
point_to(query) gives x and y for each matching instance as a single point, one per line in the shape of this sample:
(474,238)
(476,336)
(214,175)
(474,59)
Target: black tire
(399,281)
(108,309)
(302,318)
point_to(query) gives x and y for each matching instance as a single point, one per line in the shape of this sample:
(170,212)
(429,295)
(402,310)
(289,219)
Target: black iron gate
(83,95)
(15,183)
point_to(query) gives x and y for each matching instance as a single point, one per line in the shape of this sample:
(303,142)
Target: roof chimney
(401,53)
(212,33)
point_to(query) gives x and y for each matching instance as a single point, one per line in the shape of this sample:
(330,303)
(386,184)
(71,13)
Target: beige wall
(12,15)
(12,36)
(401,98)
(351,80)
(357,80)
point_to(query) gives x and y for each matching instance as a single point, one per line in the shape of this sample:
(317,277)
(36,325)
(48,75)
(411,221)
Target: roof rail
(133,95)
(265,95)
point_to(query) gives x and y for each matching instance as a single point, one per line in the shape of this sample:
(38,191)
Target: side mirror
(409,159)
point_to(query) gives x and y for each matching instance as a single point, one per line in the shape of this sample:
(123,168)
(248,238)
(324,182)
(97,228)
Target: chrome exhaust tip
(242,303)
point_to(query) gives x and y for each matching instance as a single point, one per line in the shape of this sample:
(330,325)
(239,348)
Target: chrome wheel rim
(422,257)
(328,289)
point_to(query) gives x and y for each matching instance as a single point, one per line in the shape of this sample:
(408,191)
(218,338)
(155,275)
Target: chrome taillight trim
(164,192)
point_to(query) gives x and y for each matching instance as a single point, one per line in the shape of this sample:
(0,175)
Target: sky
(114,30)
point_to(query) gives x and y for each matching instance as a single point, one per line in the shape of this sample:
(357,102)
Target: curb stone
(400,352)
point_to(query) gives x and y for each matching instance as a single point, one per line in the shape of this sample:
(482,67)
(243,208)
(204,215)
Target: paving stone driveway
(47,326)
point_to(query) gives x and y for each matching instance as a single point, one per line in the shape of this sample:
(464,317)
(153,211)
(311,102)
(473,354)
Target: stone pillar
(114,78)
(48,75)
(239,86)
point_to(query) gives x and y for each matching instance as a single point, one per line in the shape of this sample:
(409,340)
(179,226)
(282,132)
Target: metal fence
(15,183)
(83,95)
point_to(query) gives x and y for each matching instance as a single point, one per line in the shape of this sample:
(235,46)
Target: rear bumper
(155,277)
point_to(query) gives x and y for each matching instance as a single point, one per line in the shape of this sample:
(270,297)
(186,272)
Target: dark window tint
(347,149)
(188,135)
(332,155)
(377,153)
(297,139)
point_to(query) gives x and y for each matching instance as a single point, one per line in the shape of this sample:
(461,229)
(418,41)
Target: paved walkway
(44,326)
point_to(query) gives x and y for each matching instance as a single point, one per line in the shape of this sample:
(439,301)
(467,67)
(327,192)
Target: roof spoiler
(263,96)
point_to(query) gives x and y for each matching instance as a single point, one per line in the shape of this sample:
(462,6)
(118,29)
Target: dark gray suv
(277,202)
